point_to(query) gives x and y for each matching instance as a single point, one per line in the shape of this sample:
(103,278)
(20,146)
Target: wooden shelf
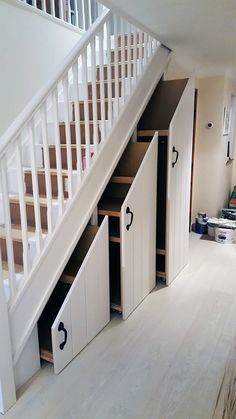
(46,355)
(150,133)
(161,274)
(67,278)
(122,179)
(116,307)
(161,251)
(110,206)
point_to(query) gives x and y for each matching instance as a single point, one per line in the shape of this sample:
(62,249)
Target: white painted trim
(55,255)
(45,15)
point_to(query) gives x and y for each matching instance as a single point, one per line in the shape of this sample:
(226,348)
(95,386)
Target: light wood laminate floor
(166,361)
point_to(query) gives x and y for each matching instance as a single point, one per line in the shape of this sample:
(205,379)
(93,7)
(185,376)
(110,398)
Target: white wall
(31,48)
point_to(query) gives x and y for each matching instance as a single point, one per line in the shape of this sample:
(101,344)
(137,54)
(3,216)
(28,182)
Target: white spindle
(52,7)
(135,54)
(140,56)
(90,13)
(129,57)
(34,3)
(83,15)
(22,204)
(77,120)
(60,197)
(68,136)
(109,81)
(86,108)
(94,95)
(76,14)
(116,64)
(61,10)
(8,231)
(145,49)
(47,172)
(34,174)
(69,11)
(123,62)
(44,8)
(102,95)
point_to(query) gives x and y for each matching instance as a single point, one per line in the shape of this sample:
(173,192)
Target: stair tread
(18,269)
(72,145)
(16,232)
(29,199)
(64,172)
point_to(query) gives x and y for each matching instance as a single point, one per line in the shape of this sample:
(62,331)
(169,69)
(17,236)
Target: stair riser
(15,215)
(131,40)
(42,185)
(90,106)
(113,71)
(52,156)
(90,95)
(72,131)
(17,248)
(126,55)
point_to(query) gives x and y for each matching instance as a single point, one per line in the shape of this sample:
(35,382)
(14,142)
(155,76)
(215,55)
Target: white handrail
(52,144)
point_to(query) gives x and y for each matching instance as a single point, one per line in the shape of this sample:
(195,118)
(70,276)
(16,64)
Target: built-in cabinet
(170,112)
(130,202)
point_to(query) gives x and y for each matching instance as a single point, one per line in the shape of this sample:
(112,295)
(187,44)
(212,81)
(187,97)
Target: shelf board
(161,251)
(110,206)
(67,278)
(161,274)
(114,239)
(116,307)
(150,133)
(122,179)
(46,355)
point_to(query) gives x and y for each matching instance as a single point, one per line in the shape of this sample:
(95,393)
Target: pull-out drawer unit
(79,307)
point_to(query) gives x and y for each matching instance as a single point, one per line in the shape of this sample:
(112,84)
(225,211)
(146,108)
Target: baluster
(135,54)
(22,204)
(52,8)
(129,56)
(90,13)
(102,95)
(109,81)
(34,174)
(116,66)
(76,13)
(34,3)
(61,10)
(86,108)
(47,172)
(149,53)
(77,120)
(140,52)
(94,95)
(69,12)
(44,8)
(83,15)
(123,63)
(8,232)
(145,49)
(68,136)
(60,197)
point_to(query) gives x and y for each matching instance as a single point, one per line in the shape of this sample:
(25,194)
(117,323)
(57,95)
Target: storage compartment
(79,305)
(115,283)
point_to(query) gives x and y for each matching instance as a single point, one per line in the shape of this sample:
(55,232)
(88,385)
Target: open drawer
(79,307)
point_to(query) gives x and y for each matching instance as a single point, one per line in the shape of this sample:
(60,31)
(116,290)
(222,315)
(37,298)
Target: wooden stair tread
(72,145)
(29,200)
(16,232)
(110,206)
(53,171)
(18,269)
(150,133)
(122,179)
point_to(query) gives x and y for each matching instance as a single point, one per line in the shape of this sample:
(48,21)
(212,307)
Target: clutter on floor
(223,229)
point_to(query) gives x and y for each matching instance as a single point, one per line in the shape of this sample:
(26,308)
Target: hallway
(166,361)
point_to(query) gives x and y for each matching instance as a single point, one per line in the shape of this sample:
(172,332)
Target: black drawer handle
(177,156)
(61,328)
(131,219)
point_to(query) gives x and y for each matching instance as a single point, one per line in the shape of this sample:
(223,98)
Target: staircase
(57,157)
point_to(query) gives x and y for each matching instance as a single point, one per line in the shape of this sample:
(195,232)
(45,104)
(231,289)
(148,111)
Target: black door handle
(177,156)
(61,328)
(131,219)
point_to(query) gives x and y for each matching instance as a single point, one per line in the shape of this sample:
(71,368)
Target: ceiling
(201,33)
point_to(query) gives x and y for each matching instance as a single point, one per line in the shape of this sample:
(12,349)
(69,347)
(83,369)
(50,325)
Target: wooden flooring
(171,359)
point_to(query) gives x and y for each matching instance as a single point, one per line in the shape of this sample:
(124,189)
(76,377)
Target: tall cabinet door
(138,234)
(178,185)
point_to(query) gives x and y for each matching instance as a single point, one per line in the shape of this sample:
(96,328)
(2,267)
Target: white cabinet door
(178,186)
(86,308)
(138,234)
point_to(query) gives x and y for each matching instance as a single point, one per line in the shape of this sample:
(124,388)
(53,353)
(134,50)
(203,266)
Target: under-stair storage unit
(170,112)
(130,202)
(79,306)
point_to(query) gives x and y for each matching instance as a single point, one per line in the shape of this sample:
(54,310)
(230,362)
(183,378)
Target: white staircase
(57,157)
